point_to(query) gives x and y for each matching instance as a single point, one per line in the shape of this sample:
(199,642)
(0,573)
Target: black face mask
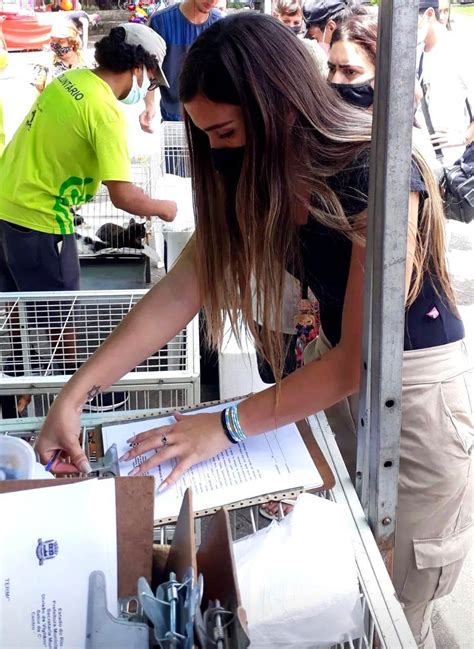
(357,94)
(228,162)
(296,29)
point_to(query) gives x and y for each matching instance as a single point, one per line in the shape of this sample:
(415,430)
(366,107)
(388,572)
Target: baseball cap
(426,4)
(137,34)
(319,11)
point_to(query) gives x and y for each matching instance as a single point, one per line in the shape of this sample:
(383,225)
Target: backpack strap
(426,110)
(469,110)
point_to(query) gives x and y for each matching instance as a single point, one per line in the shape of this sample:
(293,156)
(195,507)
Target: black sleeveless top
(326,255)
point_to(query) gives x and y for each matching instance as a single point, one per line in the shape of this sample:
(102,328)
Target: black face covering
(357,94)
(296,29)
(228,162)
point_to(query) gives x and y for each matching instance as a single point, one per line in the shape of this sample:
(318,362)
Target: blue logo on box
(46,550)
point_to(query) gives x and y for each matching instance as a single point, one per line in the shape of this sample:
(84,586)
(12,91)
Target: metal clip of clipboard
(107,466)
(103,630)
(173,609)
(171,612)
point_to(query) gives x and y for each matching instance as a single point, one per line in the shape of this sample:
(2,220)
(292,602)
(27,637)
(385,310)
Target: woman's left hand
(192,439)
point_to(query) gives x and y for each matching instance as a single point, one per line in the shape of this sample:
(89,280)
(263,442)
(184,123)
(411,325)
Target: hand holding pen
(55,465)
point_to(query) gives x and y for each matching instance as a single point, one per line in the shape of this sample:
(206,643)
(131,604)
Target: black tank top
(326,256)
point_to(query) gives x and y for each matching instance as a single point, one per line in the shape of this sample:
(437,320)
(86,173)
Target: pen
(53,459)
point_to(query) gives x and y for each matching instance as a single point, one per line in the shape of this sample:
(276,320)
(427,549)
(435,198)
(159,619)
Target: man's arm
(130,198)
(148,115)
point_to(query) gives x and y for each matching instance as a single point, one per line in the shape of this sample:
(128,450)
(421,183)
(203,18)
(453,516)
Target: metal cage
(175,155)
(103,227)
(46,337)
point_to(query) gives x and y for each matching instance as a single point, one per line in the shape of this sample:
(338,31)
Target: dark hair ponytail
(112,53)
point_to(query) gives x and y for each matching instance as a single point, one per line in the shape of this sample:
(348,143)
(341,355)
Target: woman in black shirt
(274,153)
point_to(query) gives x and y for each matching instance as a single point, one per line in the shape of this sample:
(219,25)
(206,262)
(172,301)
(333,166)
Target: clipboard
(134,511)
(317,456)
(181,554)
(215,560)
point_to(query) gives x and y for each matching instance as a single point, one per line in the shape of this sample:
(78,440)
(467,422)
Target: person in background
(75,134)
(321,18)
(445,13)
(66,46)
(351,60)
(2,129)
(290,13)
(3,65)
(179,26)
(276,195)
(446,75)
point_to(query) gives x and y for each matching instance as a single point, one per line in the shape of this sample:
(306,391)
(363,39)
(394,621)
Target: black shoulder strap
(469,110)
(426,110)
(420,66)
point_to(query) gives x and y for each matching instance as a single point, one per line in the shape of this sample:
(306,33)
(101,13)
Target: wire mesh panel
(120,400)
(102,226)
(175,154)
(46,337)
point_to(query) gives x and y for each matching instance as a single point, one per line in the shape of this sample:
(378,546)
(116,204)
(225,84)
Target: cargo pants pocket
(436,566)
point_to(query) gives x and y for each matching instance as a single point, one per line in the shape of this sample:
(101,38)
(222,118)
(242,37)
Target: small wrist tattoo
(93,392)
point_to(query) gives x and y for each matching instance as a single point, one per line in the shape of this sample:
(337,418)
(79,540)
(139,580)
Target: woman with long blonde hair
(280,181)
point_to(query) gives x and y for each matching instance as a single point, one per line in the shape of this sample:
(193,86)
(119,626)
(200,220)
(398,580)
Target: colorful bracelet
(236,424)
(231,425)
(226,429)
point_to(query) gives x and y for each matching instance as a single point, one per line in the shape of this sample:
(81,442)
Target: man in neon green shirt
(2,130)
(74,139)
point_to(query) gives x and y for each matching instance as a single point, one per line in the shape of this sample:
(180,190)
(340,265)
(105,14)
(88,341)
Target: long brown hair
(298,134)
(360,30)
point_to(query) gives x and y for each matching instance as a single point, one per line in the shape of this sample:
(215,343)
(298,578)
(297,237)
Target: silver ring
(164,440)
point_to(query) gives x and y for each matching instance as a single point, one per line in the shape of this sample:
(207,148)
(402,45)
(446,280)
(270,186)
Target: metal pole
(380,406)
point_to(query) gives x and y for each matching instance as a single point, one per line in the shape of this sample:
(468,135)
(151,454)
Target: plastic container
(17,459)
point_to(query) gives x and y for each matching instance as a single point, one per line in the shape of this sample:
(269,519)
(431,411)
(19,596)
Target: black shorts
(37,261)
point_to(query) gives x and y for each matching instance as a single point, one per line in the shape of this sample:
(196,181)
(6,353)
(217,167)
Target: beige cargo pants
(435,494)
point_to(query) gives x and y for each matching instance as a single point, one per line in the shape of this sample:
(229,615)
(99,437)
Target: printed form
(264,464)
(50,542)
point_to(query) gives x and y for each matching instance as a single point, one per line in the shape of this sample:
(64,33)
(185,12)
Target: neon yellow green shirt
(2,130)
(73,139)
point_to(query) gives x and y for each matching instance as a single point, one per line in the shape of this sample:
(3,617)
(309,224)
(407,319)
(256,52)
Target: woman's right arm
(155,320)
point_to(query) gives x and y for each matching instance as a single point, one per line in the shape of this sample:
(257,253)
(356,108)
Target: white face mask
(137,93)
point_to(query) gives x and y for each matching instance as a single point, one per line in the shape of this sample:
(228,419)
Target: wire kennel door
(174,150)
(46,336)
